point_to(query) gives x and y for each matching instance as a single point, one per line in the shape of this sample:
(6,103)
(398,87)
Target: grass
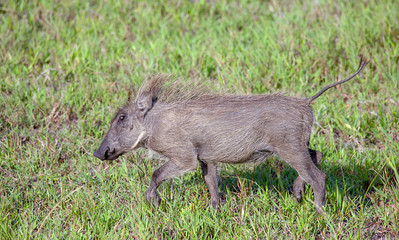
(66,67)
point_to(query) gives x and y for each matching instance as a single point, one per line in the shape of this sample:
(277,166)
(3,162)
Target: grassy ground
(66,67)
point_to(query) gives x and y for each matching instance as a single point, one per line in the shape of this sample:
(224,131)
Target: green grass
(66,67)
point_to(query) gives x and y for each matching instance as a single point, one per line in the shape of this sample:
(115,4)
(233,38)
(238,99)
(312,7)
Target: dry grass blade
(52,210)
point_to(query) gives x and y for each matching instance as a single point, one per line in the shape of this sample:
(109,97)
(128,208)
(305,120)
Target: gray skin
(219,128)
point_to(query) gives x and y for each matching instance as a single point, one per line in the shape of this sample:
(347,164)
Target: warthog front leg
(168,170)
(209,172)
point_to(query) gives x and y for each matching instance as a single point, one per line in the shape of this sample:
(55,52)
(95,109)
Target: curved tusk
(138,140)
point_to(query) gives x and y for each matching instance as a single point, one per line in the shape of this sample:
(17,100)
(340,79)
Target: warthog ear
(144,104)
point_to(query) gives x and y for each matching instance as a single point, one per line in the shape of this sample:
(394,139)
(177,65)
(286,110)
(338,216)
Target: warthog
(190,129)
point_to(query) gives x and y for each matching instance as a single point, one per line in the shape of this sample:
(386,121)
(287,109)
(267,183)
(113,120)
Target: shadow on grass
(352,181)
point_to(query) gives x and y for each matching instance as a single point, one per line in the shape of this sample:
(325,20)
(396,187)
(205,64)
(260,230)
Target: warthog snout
(102,154)
(105,152)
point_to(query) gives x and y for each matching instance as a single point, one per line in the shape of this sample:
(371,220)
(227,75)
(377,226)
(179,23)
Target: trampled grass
(66,67)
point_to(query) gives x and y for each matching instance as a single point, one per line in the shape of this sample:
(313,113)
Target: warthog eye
(122,117)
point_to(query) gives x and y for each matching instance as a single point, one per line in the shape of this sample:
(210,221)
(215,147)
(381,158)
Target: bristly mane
(167,89)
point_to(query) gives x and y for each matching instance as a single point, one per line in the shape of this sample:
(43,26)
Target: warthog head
(127,131)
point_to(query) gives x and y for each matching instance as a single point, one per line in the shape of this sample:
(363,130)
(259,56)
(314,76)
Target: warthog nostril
(106,154)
